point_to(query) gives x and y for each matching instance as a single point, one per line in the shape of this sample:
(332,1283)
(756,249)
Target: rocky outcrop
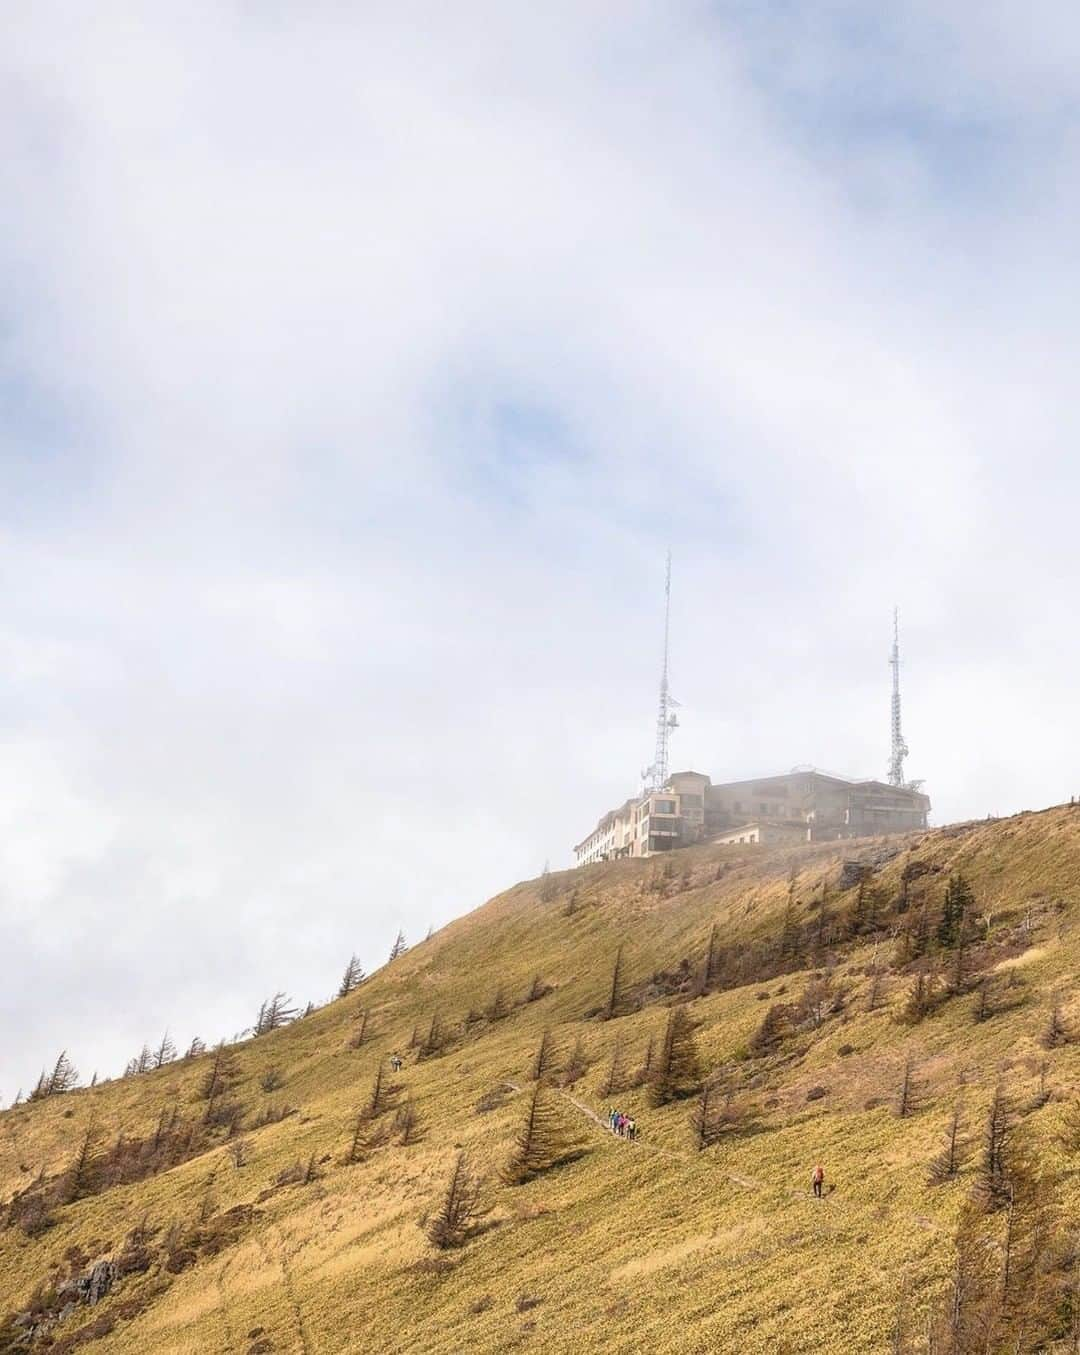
(92,1285)
(85,1289)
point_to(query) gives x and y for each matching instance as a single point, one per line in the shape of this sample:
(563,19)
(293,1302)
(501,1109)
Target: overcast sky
(359,364)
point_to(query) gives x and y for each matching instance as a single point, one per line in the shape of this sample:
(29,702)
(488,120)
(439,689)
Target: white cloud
(360,369)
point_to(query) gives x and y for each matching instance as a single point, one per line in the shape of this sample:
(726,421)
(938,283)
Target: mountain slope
(651,1245)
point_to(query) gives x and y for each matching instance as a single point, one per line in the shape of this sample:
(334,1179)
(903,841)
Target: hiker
(631,1129)
(819,1180)
(395,1062)
(613,1116)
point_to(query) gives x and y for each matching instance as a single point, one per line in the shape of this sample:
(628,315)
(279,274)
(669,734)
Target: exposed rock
(853,873)
(89,1287)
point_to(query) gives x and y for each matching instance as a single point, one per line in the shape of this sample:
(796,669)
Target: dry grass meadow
(654,1246)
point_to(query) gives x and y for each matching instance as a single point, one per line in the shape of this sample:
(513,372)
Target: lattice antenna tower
(656,776)
(899,747)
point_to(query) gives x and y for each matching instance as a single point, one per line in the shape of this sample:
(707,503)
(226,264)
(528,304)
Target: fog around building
(360,366)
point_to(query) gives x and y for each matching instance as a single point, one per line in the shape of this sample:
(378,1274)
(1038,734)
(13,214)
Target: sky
(359,364)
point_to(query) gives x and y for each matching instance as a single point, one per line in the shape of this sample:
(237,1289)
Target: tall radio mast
(899,747)
(655,777)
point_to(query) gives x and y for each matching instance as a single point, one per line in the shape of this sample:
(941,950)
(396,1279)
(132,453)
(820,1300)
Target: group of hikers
(623,1125)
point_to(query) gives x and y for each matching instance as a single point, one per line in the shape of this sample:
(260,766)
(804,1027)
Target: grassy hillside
(281,1245)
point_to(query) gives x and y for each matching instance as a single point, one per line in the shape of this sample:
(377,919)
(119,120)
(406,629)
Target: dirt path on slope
(748,1183)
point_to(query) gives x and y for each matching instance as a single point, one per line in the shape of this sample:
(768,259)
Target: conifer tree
(358,1141)
(716,1111)
(644,1070)
(904,898)
(1069,1134)
(954,1151)
(676,1070)
(545,1140)
(712,957)
(957,908)
(577,1065)
(218,1076)
(909,1094)
(383,1095)
(352,978)
(873,990)
(992,1182)
(916,936)
(274,1013)
(616,997)
(360,1029)
(616,1074)
(435,1039)
(958,965)
(195,1048)
(409,1125)
(537,989)
(62,1077)
(545,1060)
(775,1025)
(704,1120)
(548,887)
(399,947)
(1042,1095)
(461,1210)
(1057,1031)
(498,1007)
(824,927)
(164,1053)
(818,1000)
(857,918)
(985,999)
(961,1326)
(789,929)
(83,1175)
(922,997)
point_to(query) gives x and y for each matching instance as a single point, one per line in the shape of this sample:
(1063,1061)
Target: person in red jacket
(818,1180)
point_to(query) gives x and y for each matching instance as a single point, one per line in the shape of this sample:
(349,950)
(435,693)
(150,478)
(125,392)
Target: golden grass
(651,1246)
